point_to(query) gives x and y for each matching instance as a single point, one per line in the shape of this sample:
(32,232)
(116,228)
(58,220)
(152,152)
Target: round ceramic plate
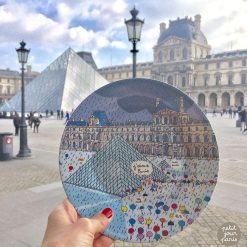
(144,149)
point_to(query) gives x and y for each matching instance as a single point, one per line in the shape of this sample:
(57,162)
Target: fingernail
(107,212)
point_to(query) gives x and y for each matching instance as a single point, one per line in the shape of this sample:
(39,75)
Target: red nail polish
(107,212)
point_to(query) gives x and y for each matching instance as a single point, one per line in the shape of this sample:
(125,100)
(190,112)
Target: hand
(65,228)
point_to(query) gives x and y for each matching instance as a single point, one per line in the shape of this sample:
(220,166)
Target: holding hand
(65,228)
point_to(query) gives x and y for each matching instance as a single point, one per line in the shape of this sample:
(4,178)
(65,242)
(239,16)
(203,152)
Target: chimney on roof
(197,22)
(162,27)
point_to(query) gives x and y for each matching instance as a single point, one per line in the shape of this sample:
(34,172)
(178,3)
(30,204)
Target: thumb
(100,221)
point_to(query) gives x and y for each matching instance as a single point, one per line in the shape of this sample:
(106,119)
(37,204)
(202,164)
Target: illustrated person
(65,228)
(16,122)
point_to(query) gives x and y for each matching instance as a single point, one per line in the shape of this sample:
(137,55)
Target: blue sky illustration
(135,100)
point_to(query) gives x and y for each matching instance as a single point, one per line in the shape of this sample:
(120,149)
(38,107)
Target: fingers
(103,241)
(71,212)
(98,223)
(63,214)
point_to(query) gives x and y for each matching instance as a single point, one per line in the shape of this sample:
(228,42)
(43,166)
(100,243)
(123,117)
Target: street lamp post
(134,28)
(22,57)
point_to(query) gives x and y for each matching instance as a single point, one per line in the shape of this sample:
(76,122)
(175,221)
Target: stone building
(182,58)
(10,82)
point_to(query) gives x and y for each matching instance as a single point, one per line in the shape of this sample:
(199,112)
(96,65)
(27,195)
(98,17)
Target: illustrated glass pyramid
(110,171)
(62,85)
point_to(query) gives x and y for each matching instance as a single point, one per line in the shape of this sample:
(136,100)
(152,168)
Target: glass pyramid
(116,157)
(62,85)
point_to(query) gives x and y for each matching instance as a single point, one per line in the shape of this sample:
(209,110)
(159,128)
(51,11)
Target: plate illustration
(144,149)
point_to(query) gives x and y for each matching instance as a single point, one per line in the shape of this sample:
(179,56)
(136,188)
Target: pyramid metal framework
(62,85)
(110,171)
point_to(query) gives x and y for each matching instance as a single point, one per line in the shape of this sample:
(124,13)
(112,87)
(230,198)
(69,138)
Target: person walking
(67,117)
(16,122)
(245,129)
(58,114)
(61,114)
(230,113)
(242,116)
(36,123)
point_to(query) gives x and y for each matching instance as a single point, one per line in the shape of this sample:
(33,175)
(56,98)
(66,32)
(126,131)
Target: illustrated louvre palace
(182,58)
(171,134)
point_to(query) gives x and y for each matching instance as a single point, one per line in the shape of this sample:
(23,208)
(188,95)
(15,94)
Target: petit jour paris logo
(229,234)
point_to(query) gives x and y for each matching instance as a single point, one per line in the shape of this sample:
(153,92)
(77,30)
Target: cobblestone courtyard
(30,189)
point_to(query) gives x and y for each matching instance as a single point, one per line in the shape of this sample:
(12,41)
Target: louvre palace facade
(10,82)
(182,57)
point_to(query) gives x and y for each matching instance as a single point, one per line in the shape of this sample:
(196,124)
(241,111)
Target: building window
(206,66)
(217,79)
(230,79)
(243,78)
(160,55)
(185,53)
(230,64)
(172,55)
(119,75)
(218,65)
(194,80)
(127,74)
(8,90)
(243,62)
(183,81)
(143,72)
(206,79)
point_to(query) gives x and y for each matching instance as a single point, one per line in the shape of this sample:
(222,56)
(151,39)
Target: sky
(49,27)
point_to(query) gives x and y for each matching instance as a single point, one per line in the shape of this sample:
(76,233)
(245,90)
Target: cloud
(118,44)
(50,27)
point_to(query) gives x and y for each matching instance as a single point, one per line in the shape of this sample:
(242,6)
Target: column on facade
(219,100)
(207,100)
(245,98)
(232,99)
(190,79)
(176,80)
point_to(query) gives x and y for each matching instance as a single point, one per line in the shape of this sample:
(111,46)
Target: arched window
(201,100)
